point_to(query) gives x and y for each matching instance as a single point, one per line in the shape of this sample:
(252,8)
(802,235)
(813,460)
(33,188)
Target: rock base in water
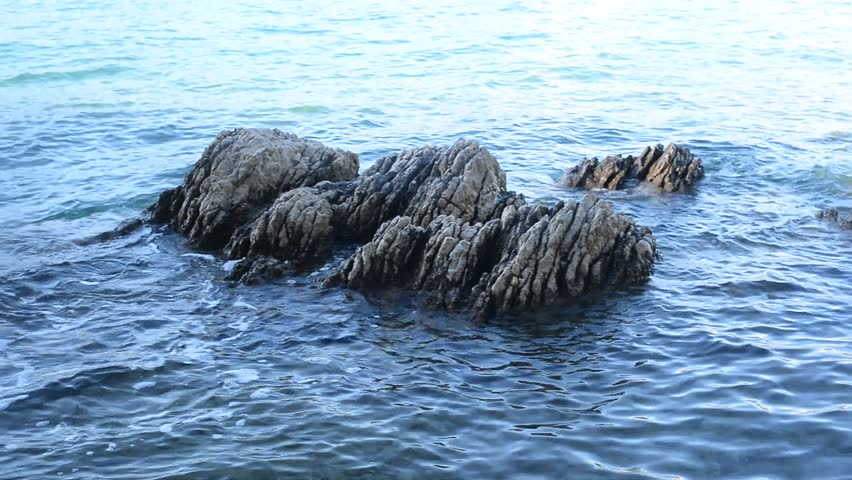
(435,219)
(672,169)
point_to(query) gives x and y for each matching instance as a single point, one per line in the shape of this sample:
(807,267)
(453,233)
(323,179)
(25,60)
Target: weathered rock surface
(673,169)
(525,258)
(241,171)
(463,180)
(435,219)
(832,215)
(592,173)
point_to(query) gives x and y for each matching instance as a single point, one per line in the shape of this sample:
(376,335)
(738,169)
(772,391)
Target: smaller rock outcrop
(592,173)
(672,169)
(832,215)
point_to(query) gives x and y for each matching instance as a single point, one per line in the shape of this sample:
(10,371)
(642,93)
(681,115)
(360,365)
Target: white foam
(167,428)
(197,350)
(143,385)
(261,393)
(229,265)
(242,324)
(84,282)
(42,423)
(111,447)
(241,422)
(244,375)
(203,256)
(242,303)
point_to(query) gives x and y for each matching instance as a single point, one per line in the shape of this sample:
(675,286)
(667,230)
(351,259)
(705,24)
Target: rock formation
(673,169)
(832,215)
(435,219)
(527,257)
(241,171)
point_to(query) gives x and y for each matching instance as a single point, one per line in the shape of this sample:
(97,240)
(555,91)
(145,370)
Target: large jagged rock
(241,171)
(463,180)
(435,219)
(527,257)
(673,169)
(833,215)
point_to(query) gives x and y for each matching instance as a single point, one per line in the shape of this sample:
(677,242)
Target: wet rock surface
(435,219)
(672,169)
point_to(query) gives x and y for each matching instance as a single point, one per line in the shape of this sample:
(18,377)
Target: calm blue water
(132,359)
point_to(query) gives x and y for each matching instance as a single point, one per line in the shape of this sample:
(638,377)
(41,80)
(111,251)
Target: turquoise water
(133,359)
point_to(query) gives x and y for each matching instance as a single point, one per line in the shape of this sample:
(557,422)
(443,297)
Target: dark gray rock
(462,180)
(435,219)
(242,171)
(832,215)
(527,257)
(567,250)
(126,228)
(258,270)
(592,173)
(299,225)
(672,169)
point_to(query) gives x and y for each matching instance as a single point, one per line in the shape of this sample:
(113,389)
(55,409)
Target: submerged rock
(673,169)
(832,215)
(123,230)
(435,219)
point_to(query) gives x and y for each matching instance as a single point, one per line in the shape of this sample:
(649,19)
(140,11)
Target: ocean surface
(133,359)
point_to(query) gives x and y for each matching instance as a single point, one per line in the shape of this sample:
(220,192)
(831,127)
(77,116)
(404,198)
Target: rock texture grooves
(463,180)
(241,171)
(527,257)
(435,219)
(673,169)
(832,215)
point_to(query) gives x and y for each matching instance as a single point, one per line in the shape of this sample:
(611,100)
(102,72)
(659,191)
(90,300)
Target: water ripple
(132,359)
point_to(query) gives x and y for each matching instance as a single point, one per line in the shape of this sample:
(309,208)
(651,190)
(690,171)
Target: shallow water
(133,359)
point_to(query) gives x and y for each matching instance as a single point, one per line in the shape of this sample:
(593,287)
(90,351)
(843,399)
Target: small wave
(525,36)
(309,109)
(30,78)
(102,377)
